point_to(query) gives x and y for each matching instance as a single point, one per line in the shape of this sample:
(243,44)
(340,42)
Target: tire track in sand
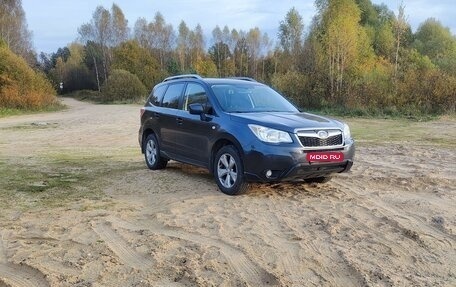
(250,272)
(120,247)
(22,276)
(19,275)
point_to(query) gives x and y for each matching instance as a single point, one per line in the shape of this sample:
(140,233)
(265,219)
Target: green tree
(119,26)
(218,50)
(291,35)
(220,54)
(99,31)
(106,29)
(291,32)
(157,36)
(384,41)
(130,56)
(14,30)
(72,71)
(241,55)
(343,44)
(183,46)
(400,27)
(436,41)
(206,68)
(197,45)
(93,59)
(254,39)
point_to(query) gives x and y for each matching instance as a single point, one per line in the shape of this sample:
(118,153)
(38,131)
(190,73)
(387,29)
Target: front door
(193,134)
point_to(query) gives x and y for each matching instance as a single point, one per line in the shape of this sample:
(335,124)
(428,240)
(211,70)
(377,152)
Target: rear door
(167,116)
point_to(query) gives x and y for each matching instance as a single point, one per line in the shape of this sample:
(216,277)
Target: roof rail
(244,79)
(187,76)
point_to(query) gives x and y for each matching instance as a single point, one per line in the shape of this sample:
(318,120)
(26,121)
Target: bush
(20,86)
(122,87)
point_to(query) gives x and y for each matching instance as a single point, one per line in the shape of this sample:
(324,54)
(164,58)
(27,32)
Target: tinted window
(157,95)
(172,96)
(194,94)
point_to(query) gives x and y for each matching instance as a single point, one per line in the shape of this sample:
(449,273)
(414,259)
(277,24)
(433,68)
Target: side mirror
(196,109)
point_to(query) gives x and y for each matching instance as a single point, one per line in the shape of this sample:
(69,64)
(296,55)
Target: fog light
(268,173)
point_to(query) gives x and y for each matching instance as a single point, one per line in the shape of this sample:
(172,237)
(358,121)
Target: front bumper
(290,163)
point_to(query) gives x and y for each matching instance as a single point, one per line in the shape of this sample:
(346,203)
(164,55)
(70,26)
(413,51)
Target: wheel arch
(148,131)
(225,140)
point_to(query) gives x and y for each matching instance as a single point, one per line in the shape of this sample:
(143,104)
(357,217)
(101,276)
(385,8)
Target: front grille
(310,139)
(330,141)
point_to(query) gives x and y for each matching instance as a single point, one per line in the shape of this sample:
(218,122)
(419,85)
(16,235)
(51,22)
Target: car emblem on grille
(323,134)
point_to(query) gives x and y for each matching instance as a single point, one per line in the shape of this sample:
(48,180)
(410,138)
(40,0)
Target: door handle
(179,121)
(157,115)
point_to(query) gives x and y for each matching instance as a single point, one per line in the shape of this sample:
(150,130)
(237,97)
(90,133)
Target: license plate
(325,156)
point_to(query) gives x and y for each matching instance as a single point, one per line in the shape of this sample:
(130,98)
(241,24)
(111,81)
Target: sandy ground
(390,222)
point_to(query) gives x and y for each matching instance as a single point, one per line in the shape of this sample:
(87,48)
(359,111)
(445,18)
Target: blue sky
(55,22)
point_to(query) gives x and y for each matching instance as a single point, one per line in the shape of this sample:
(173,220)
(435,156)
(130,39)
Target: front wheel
(152,153)
(228,171)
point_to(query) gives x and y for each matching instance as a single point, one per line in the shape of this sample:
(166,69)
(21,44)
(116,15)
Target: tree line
(355,56)
(22,84)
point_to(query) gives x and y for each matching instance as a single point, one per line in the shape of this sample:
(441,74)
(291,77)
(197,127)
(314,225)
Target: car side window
(157,95)
(172,96)
(194,93)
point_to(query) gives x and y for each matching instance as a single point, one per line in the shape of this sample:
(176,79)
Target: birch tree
(13,28)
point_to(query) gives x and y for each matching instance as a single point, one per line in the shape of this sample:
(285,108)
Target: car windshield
(250,98)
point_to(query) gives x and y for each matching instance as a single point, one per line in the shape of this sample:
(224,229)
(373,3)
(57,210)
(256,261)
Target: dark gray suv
(241,131)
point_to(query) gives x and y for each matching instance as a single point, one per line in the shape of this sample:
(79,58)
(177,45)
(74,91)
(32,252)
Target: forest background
(356,58)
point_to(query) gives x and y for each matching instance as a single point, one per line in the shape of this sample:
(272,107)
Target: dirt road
(81,209)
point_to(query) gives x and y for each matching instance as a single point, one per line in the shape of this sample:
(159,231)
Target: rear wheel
(321,179)
(228,171)
(152,153)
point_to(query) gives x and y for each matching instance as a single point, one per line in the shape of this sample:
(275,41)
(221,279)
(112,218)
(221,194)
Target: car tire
(322,179)
(229,172)
(152,155)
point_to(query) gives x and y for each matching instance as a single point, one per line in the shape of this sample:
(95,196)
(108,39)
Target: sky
(55,23)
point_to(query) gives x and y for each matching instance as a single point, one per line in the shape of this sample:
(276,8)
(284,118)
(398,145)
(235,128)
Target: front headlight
(270,135)
(347,134)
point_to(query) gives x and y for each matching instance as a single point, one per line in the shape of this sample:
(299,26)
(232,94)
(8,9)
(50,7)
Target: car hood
(286,121)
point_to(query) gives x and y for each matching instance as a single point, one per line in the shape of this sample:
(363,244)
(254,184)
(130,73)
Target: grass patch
(26,186)
(59,180)
(7,112)
(386,113)
(440,133)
